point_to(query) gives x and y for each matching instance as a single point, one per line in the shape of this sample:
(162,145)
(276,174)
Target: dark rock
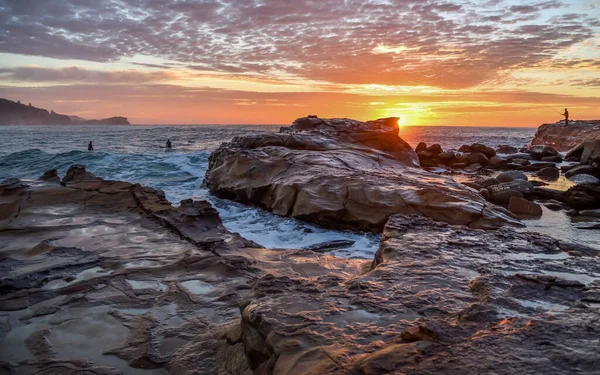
(330,245)
(522,206)
(521,162)
(549,173)
(435,149)
(474,158)
(447,157)
(489,182)
(521,155)
(590,213)
(509,176)
(538,183)
(545,193)
(473,185)
(501,194)
(538,152)
(506,149)
(487,151)
(553,205)
(552,159)
(588,226)
(537,166)
(473,168)
(497,162)
(581,169)
(584,179)
(422,146)
(465,149)
(485,193)
(50,176)
(586,152)
(583,197)
(522,186)
(459,165)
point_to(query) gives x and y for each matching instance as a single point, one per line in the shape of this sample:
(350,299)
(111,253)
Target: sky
(429,62)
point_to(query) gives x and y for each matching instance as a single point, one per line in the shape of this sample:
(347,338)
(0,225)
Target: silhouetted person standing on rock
(566,114)
(169,143)
(90,146)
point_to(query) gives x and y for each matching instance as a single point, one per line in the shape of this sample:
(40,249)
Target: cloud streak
(448,44)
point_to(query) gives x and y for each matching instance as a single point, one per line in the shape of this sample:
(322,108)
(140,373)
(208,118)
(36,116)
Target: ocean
(134,153)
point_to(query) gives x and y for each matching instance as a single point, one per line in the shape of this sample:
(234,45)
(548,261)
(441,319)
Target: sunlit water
(134,153)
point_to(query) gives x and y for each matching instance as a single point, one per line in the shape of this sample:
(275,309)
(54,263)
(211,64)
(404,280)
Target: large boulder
(343,174)
(586,152)
(563,137)
(584,196)
(541,152)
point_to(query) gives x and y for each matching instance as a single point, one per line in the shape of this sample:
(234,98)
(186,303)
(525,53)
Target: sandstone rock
(564,137)
(506,149)
(509,176)
(342,174)
(522,206)
(432,302)
(549,173)
(77,173)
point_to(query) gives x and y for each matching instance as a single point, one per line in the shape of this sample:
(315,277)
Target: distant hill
(16,113)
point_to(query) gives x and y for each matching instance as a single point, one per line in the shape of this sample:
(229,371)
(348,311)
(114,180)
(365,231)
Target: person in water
(566,114)
(90,146)
(169,143)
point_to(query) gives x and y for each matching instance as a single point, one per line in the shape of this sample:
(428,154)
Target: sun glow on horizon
(402,120)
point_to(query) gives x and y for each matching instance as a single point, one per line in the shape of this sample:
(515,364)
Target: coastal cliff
(564,137)
(16,113)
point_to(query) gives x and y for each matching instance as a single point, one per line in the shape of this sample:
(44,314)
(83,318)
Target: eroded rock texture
(106,277)
(564,137)
(436,300)
(343,174)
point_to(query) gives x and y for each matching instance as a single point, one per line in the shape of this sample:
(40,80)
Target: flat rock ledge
(343,174)
(564,137)
(107,277)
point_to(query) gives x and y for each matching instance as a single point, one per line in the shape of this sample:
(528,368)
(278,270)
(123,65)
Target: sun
(402,121)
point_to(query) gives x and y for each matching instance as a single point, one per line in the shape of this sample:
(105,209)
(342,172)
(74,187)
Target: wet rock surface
(436,299)
(344,174)
(106,277)
(563,137)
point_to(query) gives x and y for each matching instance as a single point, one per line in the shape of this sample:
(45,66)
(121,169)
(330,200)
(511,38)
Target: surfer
(168,145)
(566,114)
(90,146)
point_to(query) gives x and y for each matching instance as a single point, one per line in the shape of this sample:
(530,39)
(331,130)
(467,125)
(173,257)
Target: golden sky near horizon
(449,62)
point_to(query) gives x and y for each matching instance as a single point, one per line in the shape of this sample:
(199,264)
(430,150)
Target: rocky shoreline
(160,289)
(108,277)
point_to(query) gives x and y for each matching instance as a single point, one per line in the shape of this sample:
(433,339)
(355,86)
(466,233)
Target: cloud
(75,74)
(449,44)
